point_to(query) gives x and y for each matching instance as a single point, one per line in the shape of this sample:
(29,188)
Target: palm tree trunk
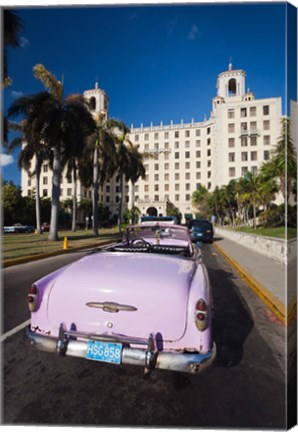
(120,201)
(53,234)
(74,199)
(95,194)
(132,203)
(37,198)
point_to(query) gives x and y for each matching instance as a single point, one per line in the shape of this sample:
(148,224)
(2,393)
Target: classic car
(19,228)
(143,301)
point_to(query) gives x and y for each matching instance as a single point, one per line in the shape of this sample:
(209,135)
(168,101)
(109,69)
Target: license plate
(107,352)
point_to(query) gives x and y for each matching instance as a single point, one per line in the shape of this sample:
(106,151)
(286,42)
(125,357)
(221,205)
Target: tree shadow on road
(232,321)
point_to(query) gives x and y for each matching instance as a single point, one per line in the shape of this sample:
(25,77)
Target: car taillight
(201,314)
(32,298)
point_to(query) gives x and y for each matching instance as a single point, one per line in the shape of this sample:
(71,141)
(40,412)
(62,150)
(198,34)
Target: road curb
(23,260)
(265,295)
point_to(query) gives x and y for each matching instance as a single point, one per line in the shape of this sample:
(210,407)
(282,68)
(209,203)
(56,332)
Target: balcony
(249,132)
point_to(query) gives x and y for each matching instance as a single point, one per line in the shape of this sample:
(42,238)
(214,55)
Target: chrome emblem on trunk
(111,307)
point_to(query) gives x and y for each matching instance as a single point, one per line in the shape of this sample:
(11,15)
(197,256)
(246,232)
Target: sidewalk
(274,283)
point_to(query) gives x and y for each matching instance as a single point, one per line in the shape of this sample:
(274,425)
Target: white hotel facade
(238,137)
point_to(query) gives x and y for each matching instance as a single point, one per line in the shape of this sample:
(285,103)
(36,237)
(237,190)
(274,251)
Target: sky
(157,63)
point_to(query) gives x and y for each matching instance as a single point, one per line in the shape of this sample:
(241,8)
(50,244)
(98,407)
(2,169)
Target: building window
(253,141)
(187,186)
(147,177)
(243,141)
(266,155)
(166,166)
(146,137)
(146,147)
(156,136)
(232,87)
(209,152)
(176,134)
(176,155)
(244,156)
(253,156)
(156,167)
(198,143)
(166,177)
(231,127)
(187,165)
(167,188)
(209,185)
(166,156)
(252,111)
(187,197)
(177,186)
(156,177)
(166,135)
(243,112)
(187,155)
(187,134)
(176,144)
(231,157)
(266,110)
(243,127)
(29,183)
(45,168)
(156,188)
(254,170)
(136,138)
(177,165)
(231,142)
(209,174)
(266,124)
(198,175)
(208,141)
(232,172)
(177,197)
(156,146)
(187,176)
(198,132)
(198,164)
(107,199)
(69,191)
(156,197)
(166,145)
(231,113)
(209,163)
(266,140)
(244,170)
(208,130)
(146,188)
(187,144)
(177,176)
(45,192)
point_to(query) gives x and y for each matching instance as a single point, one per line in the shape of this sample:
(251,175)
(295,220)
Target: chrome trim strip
(192,363)
(111,307)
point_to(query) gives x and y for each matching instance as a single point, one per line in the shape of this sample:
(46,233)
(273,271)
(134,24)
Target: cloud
(16,94)
(6,159)
(194,32)
(24,42)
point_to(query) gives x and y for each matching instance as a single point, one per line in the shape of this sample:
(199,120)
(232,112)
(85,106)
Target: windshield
(165,234)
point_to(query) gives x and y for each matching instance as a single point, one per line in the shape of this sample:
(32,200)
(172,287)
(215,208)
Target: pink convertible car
(145,301)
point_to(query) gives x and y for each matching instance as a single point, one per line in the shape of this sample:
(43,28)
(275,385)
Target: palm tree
(12,26)
(102,146)
(137,170)
(283,164)
(32,150)
(200,198)
(57,119)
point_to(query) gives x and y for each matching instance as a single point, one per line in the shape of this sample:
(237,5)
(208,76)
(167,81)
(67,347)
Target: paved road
(245,389)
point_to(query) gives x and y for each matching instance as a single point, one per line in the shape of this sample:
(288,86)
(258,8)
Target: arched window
(92,103)
(232,90)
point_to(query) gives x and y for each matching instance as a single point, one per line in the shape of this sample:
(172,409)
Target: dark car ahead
(201,230)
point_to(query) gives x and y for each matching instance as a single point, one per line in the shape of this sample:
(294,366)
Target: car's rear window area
(200,224)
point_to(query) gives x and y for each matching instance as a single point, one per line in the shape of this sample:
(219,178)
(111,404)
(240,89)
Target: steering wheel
(140,242)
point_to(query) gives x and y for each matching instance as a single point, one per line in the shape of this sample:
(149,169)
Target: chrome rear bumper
(149,357)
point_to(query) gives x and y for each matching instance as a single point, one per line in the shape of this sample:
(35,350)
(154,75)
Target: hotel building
(238,137)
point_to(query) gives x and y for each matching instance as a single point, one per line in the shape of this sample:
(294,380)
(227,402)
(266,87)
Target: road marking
(14,330)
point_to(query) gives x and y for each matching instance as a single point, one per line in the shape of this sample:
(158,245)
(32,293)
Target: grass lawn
(21,245)
(278,232)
